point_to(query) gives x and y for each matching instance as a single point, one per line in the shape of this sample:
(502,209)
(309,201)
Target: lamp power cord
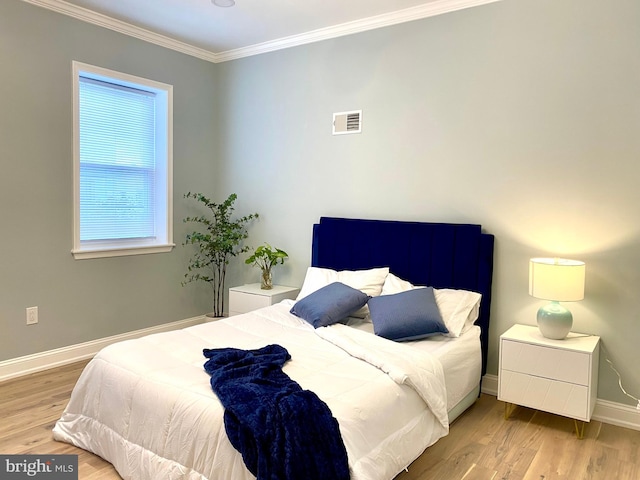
(606,357)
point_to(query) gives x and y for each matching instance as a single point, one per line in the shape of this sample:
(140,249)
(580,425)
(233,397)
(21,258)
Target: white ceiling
(251,26)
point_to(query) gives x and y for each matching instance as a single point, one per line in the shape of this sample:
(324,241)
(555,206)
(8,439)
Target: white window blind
(123,167)
(117,162)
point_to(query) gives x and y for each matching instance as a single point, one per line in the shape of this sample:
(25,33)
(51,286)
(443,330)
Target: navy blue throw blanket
(282,431)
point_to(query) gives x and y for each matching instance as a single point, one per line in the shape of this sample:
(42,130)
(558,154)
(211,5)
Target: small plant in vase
(266,257)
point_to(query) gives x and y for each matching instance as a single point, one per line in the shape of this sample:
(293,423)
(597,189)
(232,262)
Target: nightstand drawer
(561,398)
(244,302)
(552,363)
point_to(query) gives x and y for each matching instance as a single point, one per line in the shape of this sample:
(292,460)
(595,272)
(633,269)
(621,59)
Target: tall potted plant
(220,240)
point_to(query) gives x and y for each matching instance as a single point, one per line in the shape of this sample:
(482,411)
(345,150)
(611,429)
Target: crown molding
(431,9)
(89,16)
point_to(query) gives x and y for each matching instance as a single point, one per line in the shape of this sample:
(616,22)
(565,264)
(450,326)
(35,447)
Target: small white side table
(246,298)
(555,376)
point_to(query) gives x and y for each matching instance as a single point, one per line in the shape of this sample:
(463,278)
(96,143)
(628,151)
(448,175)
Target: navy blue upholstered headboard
(440,255)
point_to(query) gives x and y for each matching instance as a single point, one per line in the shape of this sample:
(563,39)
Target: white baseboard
(490,385)
(16,367)
(617,414)
(612,413)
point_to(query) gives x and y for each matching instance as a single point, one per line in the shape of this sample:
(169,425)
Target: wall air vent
(347,122)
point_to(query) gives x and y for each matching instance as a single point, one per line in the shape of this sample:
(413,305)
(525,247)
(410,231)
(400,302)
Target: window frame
(163,242)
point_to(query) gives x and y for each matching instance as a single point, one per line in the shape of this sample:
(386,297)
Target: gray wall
(81,300)
(522,115)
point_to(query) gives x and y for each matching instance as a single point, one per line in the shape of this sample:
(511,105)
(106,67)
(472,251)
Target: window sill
(121,252)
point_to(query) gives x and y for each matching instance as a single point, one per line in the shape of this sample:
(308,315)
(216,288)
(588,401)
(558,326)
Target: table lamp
(558,280)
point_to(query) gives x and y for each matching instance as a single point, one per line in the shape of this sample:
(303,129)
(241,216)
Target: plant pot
(266,282)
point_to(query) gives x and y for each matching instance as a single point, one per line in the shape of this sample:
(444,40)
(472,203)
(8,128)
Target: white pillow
(393,285)
(368,281)
(459,308)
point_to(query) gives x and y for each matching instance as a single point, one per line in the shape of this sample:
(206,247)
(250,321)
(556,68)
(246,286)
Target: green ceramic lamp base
(554,321)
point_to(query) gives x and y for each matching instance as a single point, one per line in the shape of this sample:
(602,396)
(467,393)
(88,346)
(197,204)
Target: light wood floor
(481,445)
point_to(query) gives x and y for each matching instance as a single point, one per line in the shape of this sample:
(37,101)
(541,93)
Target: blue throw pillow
(329,304)
(409,315)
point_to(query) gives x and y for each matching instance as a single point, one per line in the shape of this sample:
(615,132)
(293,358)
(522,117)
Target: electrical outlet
(32,315)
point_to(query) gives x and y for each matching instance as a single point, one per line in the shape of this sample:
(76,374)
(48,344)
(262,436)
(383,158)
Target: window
(122,164)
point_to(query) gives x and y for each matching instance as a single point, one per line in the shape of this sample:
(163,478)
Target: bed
(147,407)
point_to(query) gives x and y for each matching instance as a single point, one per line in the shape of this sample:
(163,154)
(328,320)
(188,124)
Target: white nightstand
(556,376)
(246,298)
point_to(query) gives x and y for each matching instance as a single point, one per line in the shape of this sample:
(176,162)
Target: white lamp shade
(556,279)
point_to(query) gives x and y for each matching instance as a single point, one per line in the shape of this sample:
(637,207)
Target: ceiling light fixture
(223,3)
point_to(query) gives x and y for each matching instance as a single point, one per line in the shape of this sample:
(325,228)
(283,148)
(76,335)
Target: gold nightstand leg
(579,430)
(508,409)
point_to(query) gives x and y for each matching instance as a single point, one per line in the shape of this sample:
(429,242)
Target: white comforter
(147,407)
